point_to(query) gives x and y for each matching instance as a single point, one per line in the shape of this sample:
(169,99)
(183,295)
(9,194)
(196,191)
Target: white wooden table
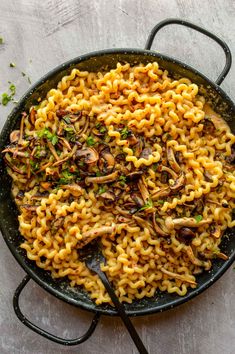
(39,35)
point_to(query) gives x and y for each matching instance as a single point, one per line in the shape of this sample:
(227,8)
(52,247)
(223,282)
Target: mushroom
(216,232)
(161,193)
(32,116)
(90,235)
(46,185)
(195,260)
(73,188)
(139,147)
(90,155)
(169,170)
(132,140)
(137,200)
(157,227)
(102,179)
(14,136)
(133,176)
(219,123)
(184,222)
(145,153)
(28,207)
(178,183)
(142,185)
(144,224)
(109,196)
(171,159)
(184,278)
(106,160)
(13,167)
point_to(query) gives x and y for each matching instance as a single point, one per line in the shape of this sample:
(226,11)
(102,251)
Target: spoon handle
(121,310)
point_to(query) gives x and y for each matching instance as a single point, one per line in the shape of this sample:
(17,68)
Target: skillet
(95,61)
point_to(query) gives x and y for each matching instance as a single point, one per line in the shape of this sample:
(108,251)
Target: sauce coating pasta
(133,159)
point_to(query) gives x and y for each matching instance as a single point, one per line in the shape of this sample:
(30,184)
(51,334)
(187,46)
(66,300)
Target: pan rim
(13,249)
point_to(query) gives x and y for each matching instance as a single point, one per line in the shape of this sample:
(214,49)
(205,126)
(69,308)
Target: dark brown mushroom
(186,234)
(133,176)
(109,196)
(137,200)
(178,183)
(171,159)
(106,161)
(89,155)
(90,235)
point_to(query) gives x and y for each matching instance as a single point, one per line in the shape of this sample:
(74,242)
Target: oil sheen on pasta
(132,158)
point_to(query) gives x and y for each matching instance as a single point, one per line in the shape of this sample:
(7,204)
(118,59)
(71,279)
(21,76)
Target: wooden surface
(41,34)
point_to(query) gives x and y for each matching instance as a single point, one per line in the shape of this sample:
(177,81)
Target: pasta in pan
(138,161)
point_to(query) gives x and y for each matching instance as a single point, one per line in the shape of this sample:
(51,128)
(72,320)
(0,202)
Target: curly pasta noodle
(135,159)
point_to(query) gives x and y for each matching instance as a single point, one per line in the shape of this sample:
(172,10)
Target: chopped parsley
(122,180)
(67,177)
(101,190)
(6,98)
(98,174)
(34,165)
(90,141)
(198,218)
(23,74)
(66,119)
(46,133)
(1,40)
(70,134)
(12,88)
(125,132)
(149,204)
(161,201)
(12,65)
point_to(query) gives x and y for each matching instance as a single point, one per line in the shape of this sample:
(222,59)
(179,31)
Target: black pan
(8,213)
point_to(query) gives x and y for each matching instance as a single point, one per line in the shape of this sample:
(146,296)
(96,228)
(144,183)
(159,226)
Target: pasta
(133,159)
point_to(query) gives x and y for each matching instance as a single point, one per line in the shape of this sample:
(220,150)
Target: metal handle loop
(202,30)
(42,332)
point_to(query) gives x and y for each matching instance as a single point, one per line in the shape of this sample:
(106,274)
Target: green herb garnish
(66,119)
(23,74)
(67,177)
(161,201)
(198,218)
(46,133)
(125,132)
(12,88)
(34,164)
(122,180)
(6,98)
(12,65)
(1,40)
(101,190)
(149,204)
(90,141)
(98,174)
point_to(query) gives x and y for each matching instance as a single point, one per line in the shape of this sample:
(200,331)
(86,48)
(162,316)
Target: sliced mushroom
(137,200)
(157,228)
(195,260)
(103,179)
(32,116)
(222,256)
(110,196)
(14,136)
(90,155)
(13,167)
(184,278)
(184,222)
(219,123)
(142,185)
(216,232)
(168,170)
(90,235)
(178,183)
(133,176)
(161,193)
(132,140)
(145,153)
(106,160)
(139,147)
(29,207)
(171,159)
(73,188)
(144,224)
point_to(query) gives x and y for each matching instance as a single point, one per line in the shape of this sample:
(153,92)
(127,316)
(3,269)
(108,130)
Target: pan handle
(42,332)
(177,21)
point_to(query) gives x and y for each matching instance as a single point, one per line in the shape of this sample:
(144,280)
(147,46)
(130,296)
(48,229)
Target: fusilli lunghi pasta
(134,159)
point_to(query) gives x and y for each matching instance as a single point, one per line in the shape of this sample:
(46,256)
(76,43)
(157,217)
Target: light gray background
(42,34)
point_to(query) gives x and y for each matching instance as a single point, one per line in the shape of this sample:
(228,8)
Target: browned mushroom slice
(13,167)
(123,212)
(29,207)
(157,228)
(133,176)
(109,196)
(142,185)
(169,170)
(222,256)
(195,260)
(90,155)
(90,235)
(14,136)
(171,159)
(132,140)
(215,118)
(15,152)
(184,222)
(178,183)
(144,224)
(65,143)
(145,153)
(164,192)
(186,233)
(73,188)
(46,185)
(137,200)
(83,130)
(32,116)
(181,277)
(139,147)
(106,160)
(216,232)
(102,179)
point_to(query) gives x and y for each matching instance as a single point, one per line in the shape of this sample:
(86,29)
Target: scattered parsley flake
(29,80)
(198,218)
(149,204)
(12,65)
(23,74)
(45,133)
(125,132)
(90,141)
(6,98)
(122,180)
(1,40)
(101,190)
